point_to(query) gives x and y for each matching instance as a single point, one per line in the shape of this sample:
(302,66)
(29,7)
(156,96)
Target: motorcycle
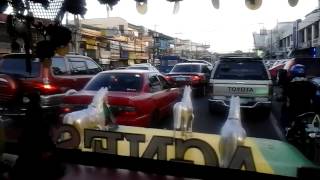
(304,133)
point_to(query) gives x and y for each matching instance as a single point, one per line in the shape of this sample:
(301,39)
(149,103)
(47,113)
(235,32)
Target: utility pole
(77,33)
(271,44)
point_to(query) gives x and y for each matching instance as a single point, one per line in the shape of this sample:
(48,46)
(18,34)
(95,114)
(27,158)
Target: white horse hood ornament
(232,133)
(96,116)
(183,113)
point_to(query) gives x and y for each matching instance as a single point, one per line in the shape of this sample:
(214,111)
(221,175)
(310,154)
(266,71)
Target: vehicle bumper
(251,105)
(49,101)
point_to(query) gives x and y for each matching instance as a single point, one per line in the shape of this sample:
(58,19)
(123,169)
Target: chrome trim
(4,80)
(48,101)
(223,103)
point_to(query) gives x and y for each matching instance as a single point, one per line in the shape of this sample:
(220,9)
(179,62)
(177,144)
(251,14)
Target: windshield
(185,84)
(123,82)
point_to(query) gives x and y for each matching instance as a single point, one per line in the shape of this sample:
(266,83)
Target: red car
(136,97)
(48,81)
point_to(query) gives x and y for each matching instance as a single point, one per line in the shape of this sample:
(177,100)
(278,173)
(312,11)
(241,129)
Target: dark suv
(195,74)
(50,82)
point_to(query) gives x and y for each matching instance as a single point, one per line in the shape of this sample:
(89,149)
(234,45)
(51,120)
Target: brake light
(66,110)
(47,87)
(168,78)
(195,78)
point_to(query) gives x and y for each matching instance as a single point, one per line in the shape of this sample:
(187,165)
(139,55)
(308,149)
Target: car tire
(215,109)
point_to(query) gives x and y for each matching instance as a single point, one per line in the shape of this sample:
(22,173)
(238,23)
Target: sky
(227,29)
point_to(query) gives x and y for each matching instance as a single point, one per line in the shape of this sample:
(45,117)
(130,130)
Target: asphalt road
(255,123)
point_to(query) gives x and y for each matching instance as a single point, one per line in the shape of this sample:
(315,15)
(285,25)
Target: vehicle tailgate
(242,88)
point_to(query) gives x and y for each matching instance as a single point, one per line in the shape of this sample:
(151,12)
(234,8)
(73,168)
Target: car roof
(191,63)
(139,71)
(237,58)
(142,64)
(22,55)
(197,61)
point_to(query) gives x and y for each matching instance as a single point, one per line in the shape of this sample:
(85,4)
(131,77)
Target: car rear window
(17,66)
(186,68)
(242,70)
(127,82)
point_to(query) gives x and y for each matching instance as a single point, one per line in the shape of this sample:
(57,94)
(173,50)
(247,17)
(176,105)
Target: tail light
(197,78)
(65,109)
(168,78)
(48,88)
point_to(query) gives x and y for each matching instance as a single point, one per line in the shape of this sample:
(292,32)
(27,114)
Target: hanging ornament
(75,7)
(253,4)
(176,6)
(110,3)
(142,6)
(293,3)
(216,3)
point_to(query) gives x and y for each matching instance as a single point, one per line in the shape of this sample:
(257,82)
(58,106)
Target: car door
(206,71)
(157,92)
(169,94)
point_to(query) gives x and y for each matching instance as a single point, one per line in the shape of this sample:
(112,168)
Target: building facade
(287,39)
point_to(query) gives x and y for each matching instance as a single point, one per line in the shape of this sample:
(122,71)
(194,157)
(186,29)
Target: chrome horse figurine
(94,117)
(183,114)
(232,133)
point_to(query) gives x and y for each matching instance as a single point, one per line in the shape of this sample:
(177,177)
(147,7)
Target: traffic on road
(110,94)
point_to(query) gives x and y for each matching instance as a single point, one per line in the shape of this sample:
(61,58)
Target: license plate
(180,79)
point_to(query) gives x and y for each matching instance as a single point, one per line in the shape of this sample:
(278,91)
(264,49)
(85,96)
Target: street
(256,124)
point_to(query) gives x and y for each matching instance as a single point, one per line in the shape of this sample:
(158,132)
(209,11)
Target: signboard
(256,154)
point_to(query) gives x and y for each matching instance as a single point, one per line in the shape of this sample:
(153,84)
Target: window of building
(309,32)
(301,36)
(316,30)
(281,43)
